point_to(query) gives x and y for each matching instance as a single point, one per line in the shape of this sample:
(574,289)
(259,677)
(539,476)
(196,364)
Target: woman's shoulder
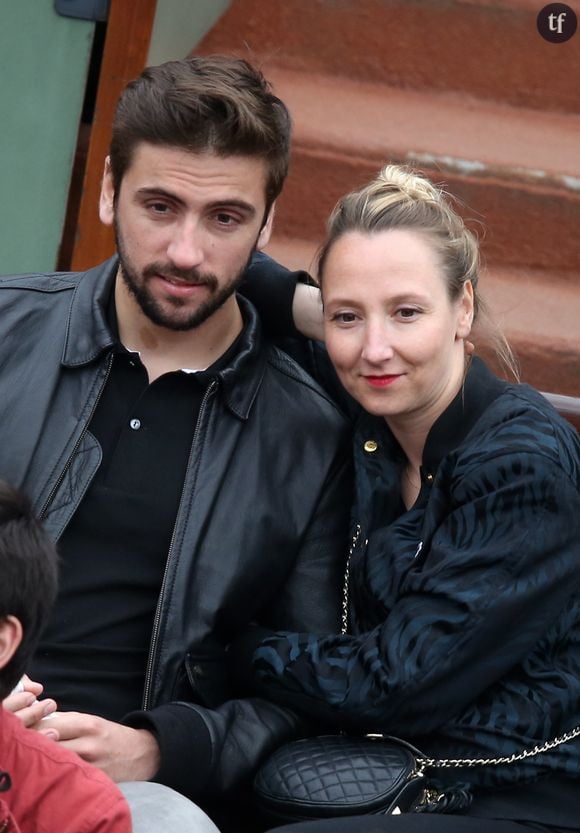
(520,420)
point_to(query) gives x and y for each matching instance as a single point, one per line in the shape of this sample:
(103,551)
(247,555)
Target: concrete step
(538,311)
(516,171)
(486,48)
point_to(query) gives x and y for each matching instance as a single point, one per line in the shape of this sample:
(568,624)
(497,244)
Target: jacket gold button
(371,446)
(429,477)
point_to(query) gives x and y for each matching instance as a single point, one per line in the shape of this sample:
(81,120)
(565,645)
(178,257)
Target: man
(42,786)
(192,474)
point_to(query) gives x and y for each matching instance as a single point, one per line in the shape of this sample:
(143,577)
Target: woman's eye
(407,313)
(344,317)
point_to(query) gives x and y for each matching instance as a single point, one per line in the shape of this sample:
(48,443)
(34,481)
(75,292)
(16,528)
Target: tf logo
(557,22)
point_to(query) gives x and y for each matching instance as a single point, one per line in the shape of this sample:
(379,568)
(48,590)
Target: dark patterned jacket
(465,609)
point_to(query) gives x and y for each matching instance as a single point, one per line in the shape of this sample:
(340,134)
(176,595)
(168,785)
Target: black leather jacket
(261,524)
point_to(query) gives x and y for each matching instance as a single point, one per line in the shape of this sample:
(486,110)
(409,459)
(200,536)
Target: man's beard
(154,310)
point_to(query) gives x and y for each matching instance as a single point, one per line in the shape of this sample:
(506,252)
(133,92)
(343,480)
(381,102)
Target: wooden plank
(129,30)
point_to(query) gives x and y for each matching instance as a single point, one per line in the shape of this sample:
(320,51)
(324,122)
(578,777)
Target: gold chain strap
(345,587)
(448,763)
(451,763)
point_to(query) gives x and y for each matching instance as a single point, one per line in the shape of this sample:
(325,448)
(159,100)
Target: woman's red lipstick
(382,381)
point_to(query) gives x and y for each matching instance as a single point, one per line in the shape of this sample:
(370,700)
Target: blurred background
(465,90)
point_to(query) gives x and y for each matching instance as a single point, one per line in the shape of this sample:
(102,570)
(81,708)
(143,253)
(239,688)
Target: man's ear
(10,638)
(266,231)
(107,198)
(465,319)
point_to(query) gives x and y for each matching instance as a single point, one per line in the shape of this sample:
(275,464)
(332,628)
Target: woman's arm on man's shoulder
(287,302)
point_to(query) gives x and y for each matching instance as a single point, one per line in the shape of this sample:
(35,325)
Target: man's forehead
(176,170)
(203,162)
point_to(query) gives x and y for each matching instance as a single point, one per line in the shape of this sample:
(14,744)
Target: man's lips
(382,381)
(180,281)
(181,286)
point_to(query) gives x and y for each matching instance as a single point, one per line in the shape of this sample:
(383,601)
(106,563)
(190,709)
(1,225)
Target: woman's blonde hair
(400,198)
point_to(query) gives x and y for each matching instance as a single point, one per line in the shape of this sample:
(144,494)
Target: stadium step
(522,196)
(468,92)
(488,49)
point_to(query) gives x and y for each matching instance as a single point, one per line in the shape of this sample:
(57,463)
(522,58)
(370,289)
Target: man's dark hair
(28,578)
(217,104)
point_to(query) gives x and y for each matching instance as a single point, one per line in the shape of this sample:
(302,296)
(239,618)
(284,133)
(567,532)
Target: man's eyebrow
(152,191)
(234,202)
(241,205)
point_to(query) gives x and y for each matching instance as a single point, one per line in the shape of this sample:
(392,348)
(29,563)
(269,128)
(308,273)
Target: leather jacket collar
(89,335)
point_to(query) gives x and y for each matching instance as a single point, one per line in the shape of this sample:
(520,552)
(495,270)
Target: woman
(464,576)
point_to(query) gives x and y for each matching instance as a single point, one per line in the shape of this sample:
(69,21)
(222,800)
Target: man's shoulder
(56,282)
(33,304)
(299,383)
(41,281)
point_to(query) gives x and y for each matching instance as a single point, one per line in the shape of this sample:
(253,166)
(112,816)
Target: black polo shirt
(93,653)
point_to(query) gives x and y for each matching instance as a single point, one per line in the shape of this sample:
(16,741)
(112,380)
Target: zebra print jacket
(465,609)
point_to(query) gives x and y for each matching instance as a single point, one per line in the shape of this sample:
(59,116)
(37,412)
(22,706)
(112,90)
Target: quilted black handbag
(339,775)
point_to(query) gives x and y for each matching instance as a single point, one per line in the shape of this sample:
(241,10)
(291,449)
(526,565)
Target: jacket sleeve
(498,571)
(103,816)
(206,752)
(270,287)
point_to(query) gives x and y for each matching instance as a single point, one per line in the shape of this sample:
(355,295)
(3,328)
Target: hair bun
(409,183)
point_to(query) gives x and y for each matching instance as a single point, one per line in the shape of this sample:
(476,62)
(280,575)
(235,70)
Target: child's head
(28,582)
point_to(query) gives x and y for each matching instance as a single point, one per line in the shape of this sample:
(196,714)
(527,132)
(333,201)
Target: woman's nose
(377,346)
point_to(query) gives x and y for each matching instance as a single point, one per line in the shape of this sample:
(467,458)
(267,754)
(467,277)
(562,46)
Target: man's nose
(186,248)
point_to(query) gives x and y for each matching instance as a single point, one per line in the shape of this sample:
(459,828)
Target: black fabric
(174,720)
(465,608)
(94,650)
(270,287)
(244,549)
(553,801)
(535,429)
(113,552)
(411,823)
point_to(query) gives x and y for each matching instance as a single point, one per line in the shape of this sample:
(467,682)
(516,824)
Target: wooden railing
(568,406)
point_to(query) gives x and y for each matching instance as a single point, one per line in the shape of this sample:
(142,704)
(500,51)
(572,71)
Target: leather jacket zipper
(61,476)
(153,645)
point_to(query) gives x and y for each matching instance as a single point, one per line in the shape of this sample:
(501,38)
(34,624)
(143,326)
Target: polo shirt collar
(89,334)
